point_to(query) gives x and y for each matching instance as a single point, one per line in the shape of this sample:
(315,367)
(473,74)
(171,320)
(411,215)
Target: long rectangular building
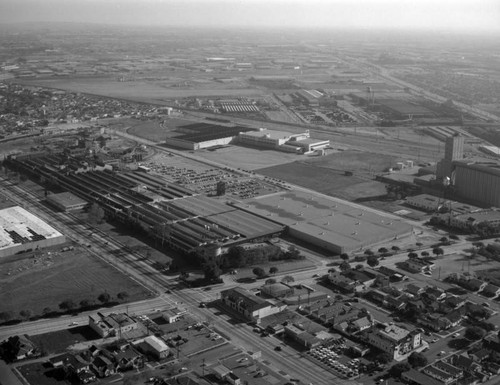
(22,231)
(330,223)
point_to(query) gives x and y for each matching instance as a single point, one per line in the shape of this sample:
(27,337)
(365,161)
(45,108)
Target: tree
(26,314)
(67,305)
(287,279)
(212,271)
(417,360)
(122,295)
(104,297)
(384,358)
(395,248)
(221,188)
(46,310)
(270,281)
(293,252)
(437,251)
(184,275)
(344,256)
(424,253)
(368,252)
(383,250)
(412,255)
(273,270)
(474,333)
(96,214)
(344,266)
(6,316)
(372,261)
(399,368)
(443,240)
(85,303)
(259,272)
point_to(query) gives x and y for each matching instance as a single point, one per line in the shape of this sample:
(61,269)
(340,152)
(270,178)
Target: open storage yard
(36,281)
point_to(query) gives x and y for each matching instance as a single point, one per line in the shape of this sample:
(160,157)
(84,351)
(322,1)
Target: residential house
(414,377)
(342,283)
(480,355)
(452,370)
(463,362)
(414,289)
(419,265)
(20,347)
(439,374)
(434,293)
(128,358)
(491,290)
(103,366)
(454,301)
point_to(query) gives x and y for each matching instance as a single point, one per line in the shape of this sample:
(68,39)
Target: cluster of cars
(330,358)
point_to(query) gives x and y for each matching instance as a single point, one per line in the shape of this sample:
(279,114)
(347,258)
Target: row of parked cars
(329,358)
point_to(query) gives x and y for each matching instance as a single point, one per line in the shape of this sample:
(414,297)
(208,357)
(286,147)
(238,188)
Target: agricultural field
(45,279)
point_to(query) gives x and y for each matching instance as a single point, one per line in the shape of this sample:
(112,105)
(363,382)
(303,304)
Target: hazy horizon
(454,16)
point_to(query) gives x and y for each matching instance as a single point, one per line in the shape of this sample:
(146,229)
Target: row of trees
(237,256)
(67,305)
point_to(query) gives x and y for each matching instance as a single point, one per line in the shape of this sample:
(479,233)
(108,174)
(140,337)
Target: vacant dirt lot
(326,174)
(34,283)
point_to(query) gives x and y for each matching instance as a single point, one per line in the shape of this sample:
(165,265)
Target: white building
(394,340)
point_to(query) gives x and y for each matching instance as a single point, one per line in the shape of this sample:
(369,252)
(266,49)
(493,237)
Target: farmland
(41,281)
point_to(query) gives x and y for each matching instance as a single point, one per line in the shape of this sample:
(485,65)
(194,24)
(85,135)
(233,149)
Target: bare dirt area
(144,91)
(247,158)
(45,279)
(326,174)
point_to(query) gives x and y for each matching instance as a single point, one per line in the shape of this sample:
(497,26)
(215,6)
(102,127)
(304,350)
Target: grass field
(35,283)
(143,91)
(58,342)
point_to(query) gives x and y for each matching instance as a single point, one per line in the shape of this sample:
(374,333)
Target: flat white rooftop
(18,226)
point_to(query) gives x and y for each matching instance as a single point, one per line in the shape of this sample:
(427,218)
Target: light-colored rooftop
(394,332)
(18,226)
(273,134)
(327,219)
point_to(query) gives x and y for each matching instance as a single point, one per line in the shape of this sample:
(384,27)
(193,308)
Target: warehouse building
(204,135)
(326,222)
(478,182)
(66,201)
(22,231)
(282,140)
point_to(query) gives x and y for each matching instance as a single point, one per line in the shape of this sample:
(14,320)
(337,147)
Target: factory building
(169,212)
(282,140)
(22,231)
(453,150)
(66,201)
(478,182)
(326,222)
(204,135)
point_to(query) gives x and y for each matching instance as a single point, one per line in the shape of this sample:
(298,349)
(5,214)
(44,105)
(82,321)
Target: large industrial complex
(197,136)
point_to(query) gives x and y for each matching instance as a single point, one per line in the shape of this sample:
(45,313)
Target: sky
(466,16)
